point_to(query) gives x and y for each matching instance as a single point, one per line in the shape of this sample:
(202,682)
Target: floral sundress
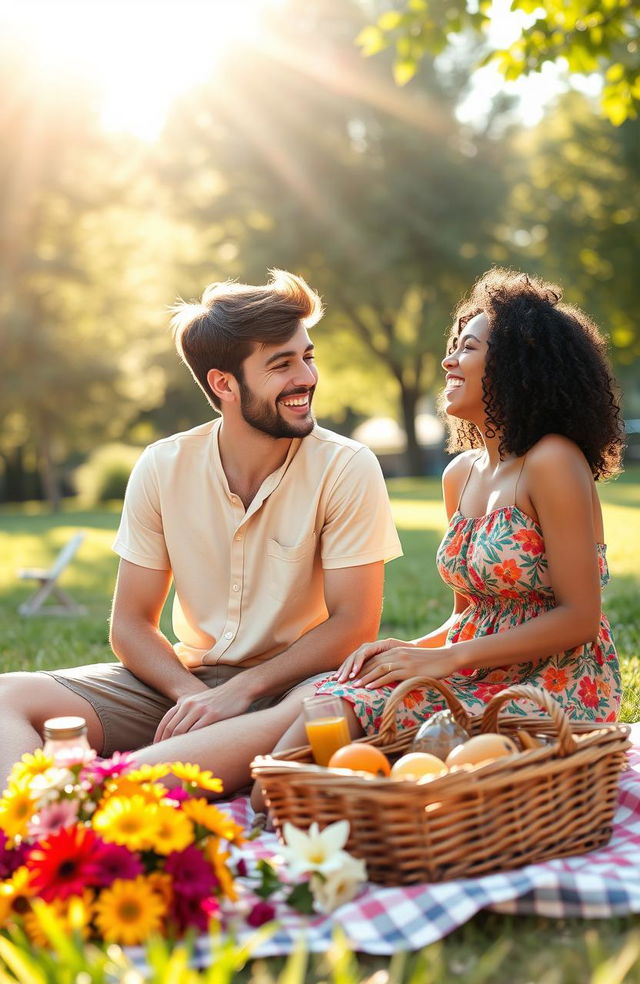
(498,562)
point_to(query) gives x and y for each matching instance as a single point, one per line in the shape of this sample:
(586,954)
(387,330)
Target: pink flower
(116,861)
(177,795)
(10,858)
(54,817)
(108,768)
(261,913)
(191,872)
(191,910)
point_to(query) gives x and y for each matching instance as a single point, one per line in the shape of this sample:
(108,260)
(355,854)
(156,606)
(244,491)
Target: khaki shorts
(128,709)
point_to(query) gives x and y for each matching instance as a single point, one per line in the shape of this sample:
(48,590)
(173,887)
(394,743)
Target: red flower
(508,571)
(555,679)
(116,861)
(530,541)
(261,913)
(485,691)
(191,872)
(65,863)
(588,692)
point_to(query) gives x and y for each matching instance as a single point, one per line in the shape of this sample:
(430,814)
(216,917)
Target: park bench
(48,585)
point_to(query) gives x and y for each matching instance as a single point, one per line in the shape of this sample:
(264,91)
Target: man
(274,531)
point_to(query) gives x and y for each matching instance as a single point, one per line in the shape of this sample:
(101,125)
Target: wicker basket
(548,802)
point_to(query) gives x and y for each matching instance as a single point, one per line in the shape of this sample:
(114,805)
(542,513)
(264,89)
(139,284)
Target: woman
(532,408)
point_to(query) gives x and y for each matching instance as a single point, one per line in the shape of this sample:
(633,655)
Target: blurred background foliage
(291,150)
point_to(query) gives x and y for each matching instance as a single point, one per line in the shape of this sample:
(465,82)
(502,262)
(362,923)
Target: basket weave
(543,803)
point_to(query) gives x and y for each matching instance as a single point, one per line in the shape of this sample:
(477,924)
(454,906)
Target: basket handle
(566,741)
(387,731)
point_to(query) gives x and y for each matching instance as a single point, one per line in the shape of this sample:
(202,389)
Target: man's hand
(195,711)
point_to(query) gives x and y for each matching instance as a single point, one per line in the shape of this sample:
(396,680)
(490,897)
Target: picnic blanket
(382,920)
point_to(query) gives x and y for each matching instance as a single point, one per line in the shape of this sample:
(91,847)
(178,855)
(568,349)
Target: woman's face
(464,369)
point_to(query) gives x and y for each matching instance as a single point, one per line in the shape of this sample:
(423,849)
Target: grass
(490,947)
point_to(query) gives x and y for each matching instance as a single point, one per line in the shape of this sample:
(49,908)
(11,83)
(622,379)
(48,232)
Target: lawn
(490,947)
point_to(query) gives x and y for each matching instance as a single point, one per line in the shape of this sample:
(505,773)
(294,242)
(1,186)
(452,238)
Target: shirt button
(236,587)
(228,635)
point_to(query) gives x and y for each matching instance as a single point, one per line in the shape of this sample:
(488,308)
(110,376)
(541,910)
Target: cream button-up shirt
(248,583)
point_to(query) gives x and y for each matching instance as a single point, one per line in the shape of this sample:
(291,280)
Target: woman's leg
(294,736)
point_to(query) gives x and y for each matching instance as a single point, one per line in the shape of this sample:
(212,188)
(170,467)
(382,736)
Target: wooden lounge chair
(48,585)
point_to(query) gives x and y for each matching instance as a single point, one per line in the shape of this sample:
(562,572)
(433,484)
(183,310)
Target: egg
(481,748)
(418,765)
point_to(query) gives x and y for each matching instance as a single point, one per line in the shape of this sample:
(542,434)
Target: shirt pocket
(290,569)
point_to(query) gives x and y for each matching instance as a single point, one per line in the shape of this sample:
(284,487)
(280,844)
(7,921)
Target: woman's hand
(354,663)
(404,662)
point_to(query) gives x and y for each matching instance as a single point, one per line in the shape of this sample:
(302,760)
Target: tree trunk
(48,470)
(414,455)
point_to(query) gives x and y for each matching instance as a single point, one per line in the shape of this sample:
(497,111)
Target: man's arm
(353,596)
(135,635)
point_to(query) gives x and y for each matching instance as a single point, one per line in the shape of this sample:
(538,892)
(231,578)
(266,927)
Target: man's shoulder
(195,438)
(322,437)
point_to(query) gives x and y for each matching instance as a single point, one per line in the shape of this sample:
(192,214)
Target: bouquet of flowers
(113,851)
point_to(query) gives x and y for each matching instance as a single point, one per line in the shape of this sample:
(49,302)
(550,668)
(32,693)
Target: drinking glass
(326,726)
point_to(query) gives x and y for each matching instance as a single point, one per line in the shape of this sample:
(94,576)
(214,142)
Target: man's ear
(223,384)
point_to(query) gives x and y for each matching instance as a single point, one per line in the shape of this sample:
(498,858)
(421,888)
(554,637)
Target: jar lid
(65,727)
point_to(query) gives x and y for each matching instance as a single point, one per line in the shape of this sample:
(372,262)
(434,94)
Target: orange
(361,758)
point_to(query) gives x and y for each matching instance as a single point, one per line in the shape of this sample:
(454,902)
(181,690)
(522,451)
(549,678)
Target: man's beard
(261,415)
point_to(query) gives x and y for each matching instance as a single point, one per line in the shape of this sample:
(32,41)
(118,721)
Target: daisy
(71,915)
(107,768)
(64,863)
(115,861)
(192,874)
(316,850)
(149,773)
(125,821)
(15,895)
(129,912)
(52,818)
(31,764)
(193,775)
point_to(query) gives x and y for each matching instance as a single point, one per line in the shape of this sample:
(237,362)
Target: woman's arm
(560,486)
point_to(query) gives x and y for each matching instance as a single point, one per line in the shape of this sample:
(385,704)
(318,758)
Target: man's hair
(546,372)
(232,319)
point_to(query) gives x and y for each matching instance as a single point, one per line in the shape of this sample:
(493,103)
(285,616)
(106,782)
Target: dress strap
(466,481)
(515,491)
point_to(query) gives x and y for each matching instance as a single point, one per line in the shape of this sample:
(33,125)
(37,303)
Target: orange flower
(508,571)
(555,679)
(588,692)
(530,541)
(468,631)
(453,549)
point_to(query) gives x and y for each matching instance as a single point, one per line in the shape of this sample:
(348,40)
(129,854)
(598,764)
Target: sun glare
(140,54)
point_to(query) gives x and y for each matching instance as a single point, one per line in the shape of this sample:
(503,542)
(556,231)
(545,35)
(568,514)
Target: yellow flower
(15,895)
(72,915)
(128,821)
(16,809)
(129,911)
(209,816)
(162,884)
(149,773)
(172,830)
(218,860)
(122,786)
(193,775)
(30,765)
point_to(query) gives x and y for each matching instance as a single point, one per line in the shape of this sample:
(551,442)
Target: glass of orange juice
(326,726)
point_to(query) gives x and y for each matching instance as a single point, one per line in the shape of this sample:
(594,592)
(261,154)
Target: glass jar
(439,735)
(66,741)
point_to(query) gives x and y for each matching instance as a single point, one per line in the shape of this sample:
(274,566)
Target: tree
(586,35)
(296,156)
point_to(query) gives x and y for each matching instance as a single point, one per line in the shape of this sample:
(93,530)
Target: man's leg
(26,701)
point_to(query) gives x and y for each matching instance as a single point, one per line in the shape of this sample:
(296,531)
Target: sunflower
(193,775)
(15,895)
(127,821)
(129,912)
(172,830)
(209,816)
(16,809)
(125,787)
(30,765)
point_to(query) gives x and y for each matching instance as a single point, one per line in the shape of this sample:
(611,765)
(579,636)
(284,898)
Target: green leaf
(301,899)
(269,880)
(404,70)
(371,40)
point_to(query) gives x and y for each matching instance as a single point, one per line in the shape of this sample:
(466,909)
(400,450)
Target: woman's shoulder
(556,451)
(458,467)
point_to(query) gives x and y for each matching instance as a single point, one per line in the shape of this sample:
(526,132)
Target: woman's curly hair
(546,372)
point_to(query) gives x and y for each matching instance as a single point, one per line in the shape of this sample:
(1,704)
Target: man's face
(277,386)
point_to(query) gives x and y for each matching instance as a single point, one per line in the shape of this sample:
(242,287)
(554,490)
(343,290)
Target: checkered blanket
(382,920)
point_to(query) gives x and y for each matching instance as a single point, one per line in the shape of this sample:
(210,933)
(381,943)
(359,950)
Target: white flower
(47,786)
(339,886)
(316,850)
